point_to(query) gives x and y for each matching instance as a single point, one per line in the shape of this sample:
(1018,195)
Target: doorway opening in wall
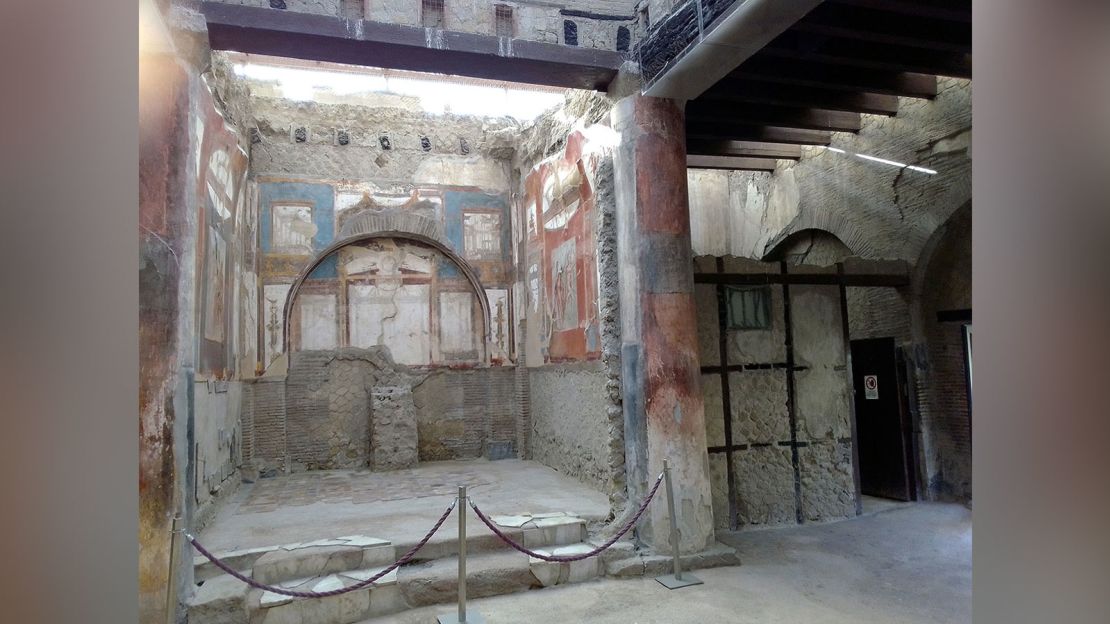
(883,423)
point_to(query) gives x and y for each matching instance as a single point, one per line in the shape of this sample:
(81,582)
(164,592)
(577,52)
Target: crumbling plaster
(877,210)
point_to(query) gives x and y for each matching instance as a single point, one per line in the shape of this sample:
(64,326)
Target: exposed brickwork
(267,412)
(321,414)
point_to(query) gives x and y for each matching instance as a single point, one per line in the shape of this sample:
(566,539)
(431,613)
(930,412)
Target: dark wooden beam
(769,134)
(853,53)
(953,10)
(734,163)
(878,26)
(767,115)
(890,280)
(760,92)
(743,148)
(818,75)
(375,44)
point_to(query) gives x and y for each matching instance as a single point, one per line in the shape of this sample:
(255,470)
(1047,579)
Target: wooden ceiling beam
(756,149)
(733,163)
(838,51)
(817,75)
(951,10)
(760,92)
(714,131)
(767,115)
(877,26)
(260,30)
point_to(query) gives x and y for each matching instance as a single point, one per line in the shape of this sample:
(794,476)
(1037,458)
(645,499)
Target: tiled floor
(399,505)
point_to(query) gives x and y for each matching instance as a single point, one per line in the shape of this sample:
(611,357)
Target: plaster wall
(570,426)
(218,442)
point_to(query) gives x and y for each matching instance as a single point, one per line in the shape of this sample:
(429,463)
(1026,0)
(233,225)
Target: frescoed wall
(225,243)
(560,248)
(393,291)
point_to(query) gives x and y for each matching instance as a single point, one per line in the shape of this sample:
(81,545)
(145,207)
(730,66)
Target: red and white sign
(871,386)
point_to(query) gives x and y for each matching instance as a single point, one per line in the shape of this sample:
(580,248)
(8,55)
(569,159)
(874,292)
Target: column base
(453,618)
(671,582)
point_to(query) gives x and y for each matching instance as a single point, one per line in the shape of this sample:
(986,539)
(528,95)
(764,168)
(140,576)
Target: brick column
(663,411)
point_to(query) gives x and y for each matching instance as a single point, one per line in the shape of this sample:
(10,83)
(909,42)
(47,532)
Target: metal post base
(453,618)
(670,582)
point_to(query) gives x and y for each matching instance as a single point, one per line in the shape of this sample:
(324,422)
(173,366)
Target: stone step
(489,574)
(226,600)
(274,564)
(381,598)
(533,532)
(493,568)
(300,560)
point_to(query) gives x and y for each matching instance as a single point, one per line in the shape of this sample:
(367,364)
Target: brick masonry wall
(321,413)
(944,282)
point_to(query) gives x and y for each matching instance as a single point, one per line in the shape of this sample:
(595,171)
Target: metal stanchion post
(171,582)
(678,579)
(462,617)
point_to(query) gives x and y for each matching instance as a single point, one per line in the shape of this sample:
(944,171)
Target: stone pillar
(663,411)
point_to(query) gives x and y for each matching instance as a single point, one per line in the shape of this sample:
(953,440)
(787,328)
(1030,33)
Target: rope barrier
(335,592)
(568,558)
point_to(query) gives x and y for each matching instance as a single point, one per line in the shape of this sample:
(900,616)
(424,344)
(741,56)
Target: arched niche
(812,246)
(467,272)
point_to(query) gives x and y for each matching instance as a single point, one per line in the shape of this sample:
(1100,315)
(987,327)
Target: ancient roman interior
(535,248)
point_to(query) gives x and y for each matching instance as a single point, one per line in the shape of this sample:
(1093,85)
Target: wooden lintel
(768,115)
(761,92)
(375,44)
(819,75)
(743,148)
(735,163)
(767,134)
(849,279)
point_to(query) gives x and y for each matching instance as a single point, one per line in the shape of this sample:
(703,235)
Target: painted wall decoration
(392,292)
(560,241)
(222,242)
(389,292)
(482,235)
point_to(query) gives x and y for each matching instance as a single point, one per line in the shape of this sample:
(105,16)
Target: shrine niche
(399,294)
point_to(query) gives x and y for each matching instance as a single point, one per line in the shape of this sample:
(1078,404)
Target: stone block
(342,609)
(220,600)
(241,560)
(386,599)
(554,531)
(282,565)
(380,555)
(393,429)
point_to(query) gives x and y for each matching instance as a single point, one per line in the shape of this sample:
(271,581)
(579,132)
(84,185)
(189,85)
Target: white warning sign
(871,386)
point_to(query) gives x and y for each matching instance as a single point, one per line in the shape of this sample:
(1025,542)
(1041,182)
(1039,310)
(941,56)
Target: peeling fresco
(560,247)
(394,292)
(221,188)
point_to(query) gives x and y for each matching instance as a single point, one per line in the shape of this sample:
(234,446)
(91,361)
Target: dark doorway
(882,421)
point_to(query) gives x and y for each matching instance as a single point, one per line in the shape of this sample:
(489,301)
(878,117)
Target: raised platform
(325,530)
(399,506)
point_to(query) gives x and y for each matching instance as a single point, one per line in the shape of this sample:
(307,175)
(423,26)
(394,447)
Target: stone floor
(399,506)
(898,563)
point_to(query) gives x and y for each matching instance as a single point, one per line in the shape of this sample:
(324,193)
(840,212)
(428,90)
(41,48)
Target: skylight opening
(437,94)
